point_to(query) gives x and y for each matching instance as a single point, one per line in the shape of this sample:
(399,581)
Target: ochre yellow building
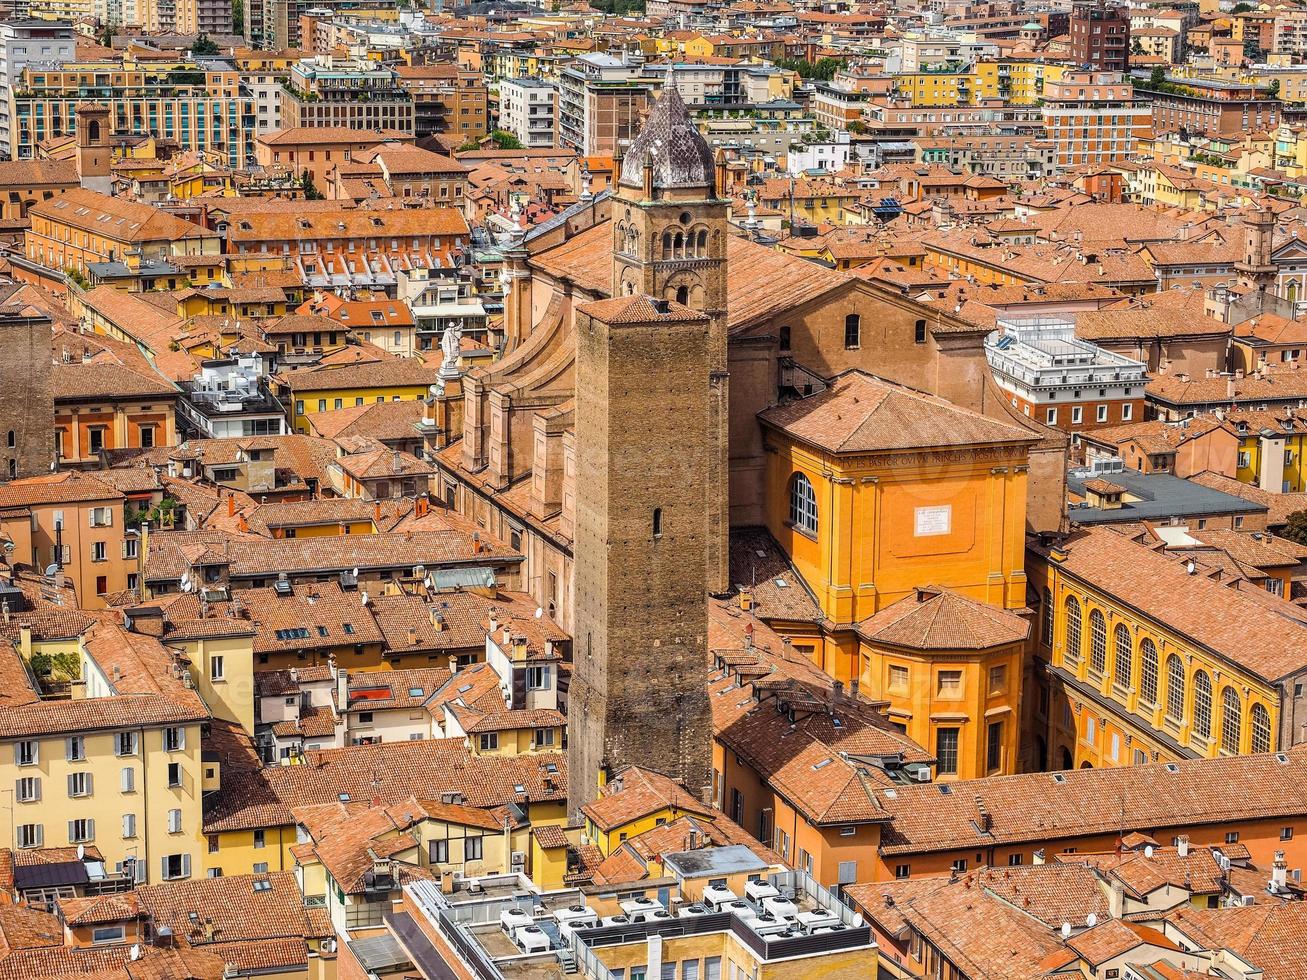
(1150,662)
(902,513)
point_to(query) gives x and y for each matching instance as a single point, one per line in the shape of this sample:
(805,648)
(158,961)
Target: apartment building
(81,227)
(118,768)
(1063,382)
(24,42)
(447,99)
(1211,106)
(527,110)
(1093,117)
(344,93)
(75,525)
(211,17)
(200,106)
(320,149)
(1100,36)
(601,104)
(1153,660)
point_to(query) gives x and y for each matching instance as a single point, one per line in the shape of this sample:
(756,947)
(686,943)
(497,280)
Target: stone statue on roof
(451,342)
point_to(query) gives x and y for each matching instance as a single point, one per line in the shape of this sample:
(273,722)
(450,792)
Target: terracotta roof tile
(940,619)
(862,413)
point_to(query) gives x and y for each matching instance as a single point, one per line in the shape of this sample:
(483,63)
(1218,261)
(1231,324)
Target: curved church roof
(679,154)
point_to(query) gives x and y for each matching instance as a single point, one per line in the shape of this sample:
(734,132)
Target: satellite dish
(1091,920)
(364,598)
(1148,851)
(355,572)
(539,612)
(136,951)
(186,586)
(81,851)
(1066,930)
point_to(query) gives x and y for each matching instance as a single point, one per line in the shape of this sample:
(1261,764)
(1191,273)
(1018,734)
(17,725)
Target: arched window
(667,244)
(11,439)
(682,294)
(803,504)
(93,131)
(1261,722)
(657,522)
(701,243)
(1071,656)
(1148,671)
(1048,619)
(1202,705)
(852,331)
(1174,688)
(678,245)
(1097,642)
(784,341)
(1231,720)
(1124,654)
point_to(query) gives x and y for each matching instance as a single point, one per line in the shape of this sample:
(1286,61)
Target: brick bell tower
(670,229)
(651,457)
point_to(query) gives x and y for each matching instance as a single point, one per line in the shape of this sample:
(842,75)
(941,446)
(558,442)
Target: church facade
(621,442)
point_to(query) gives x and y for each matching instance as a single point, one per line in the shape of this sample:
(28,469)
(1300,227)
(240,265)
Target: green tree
(1241,8)
(67,664)
(238,16)
(1157,78)
(506,141)
(1273,90)
(204,45)
(1296,528)
(78,277)
(823,69)
(311,192)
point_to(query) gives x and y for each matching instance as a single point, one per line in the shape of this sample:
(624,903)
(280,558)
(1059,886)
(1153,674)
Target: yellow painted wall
(866,556)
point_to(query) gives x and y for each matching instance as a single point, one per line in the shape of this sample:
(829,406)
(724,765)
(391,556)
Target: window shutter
(129,779)
(72,784)
(124,548)
(129,825)
(40,834)
(36,785)
(68,750)
(72,830)
(186,865)
(163,868)
(90,784)
(90,829)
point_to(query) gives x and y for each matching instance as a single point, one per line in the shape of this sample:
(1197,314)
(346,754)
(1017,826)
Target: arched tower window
(683,295)
(1261,725)
(678,245)
(1174,688)
(1124,655)
(93,131)
(1148,671)
(701,243)
(803,504)
(1097,642)
(1071,656)
(852,331)
(1202,705)
(1231,720)
(667,244)
(1048,619)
